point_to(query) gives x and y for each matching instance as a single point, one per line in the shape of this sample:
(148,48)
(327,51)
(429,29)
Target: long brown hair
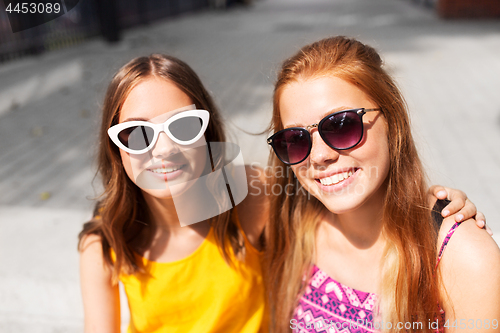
(122,211)
(409,291)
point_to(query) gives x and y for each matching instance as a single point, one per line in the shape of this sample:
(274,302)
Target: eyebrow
(135,119)
(341,108)
(145,119)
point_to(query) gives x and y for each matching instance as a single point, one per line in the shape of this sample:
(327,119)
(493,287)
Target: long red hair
(409,291)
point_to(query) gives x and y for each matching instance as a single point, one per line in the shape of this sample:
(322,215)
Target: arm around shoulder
(253,211)
(101,299)
(470,272)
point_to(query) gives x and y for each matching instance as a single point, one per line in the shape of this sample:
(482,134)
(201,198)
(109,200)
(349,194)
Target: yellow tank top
(199,293)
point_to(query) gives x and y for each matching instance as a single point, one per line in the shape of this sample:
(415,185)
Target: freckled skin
(306,102)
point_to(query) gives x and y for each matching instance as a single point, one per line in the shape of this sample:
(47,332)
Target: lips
(165,170)
(335,179)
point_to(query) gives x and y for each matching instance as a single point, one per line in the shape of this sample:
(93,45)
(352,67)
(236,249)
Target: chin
(350,201)
(341,201)
(169,192)
(160,194)
(163,188)
(340,204)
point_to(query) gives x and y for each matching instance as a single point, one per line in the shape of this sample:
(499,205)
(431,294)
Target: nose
(164,147)
(321,153)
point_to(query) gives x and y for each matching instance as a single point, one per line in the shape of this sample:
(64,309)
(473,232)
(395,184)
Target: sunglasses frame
(113,131)
(359,111)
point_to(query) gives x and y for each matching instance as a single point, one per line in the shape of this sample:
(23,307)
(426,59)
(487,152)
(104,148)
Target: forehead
(306,101)
(152,98)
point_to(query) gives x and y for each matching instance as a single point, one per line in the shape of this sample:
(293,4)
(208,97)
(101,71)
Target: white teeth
(335,179)
(166,170)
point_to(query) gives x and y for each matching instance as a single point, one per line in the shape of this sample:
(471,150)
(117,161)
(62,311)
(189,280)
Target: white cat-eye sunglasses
(138,137)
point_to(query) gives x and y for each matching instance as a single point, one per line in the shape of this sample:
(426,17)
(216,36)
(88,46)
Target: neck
(166,212)
(163,212)
(360,228)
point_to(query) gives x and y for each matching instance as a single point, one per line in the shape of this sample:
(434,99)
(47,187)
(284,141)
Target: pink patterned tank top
(330,306)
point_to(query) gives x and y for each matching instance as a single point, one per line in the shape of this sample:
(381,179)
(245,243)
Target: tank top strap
(235,218)
(446,240)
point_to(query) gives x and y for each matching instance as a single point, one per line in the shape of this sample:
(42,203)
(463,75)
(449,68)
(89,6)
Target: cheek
(200,161)
(301,172)
(376,150)
(379,168)
(127,165)
(197,157)
(384,155)
(134,165)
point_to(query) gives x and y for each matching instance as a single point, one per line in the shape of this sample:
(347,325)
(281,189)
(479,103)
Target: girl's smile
(342,179)
(168,169)
(166,172)
(336,180)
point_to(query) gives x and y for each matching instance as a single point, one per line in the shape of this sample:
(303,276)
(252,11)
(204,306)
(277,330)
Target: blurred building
(87,19)
(455,9)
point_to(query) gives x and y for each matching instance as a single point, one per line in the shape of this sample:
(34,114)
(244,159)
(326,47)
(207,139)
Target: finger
(467,211)
(481,224)
(438,191)
(489,230)
(455,194)
(480,220)
(455,206)
(458,201)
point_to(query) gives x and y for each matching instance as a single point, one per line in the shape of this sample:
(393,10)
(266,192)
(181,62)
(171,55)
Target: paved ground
(49,106)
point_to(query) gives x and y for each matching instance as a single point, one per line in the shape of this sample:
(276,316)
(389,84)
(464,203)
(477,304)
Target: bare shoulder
(253,211)
(100,296)
(468,244)
(90,241)
(91,257)
(470,272)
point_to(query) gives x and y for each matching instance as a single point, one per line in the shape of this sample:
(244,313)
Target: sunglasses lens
(136,137)
(292,146)
(186,129)
(342,130)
